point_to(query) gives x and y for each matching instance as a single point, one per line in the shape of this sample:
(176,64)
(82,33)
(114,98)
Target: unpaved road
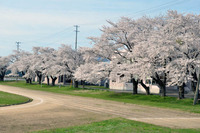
(50,110)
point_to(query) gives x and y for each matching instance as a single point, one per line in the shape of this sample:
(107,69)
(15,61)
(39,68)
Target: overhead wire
(50,35)
(155,8)
(148,10)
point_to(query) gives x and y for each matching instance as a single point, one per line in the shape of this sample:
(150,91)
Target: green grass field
(151,100)
(11,99)
(93,86)
(118,125)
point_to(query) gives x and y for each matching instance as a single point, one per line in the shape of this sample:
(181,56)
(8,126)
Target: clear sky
(49,23)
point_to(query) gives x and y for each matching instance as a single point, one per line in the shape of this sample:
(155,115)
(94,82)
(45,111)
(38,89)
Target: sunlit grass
(11,99)
(119,125)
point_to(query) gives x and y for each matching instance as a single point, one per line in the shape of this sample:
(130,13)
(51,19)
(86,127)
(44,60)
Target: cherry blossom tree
(93,73)
(186,33)
(171,52)
(69,60)
(21,62)
(151,47)
(4,63)
(42,63)
(117,43)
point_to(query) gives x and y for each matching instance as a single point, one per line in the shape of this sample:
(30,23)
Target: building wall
(129,86)
(116,86)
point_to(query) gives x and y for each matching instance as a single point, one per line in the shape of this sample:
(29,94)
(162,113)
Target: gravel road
(50,110)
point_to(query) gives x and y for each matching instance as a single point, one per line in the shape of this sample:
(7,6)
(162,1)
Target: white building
(154,89)
(119,85)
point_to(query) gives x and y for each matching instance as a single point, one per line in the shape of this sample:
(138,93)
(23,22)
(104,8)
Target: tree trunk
(30,81)
(27,80)
(181,91)
(135,86)
(197,95)
(47,80)
(2,75)
(162,91)
(59,79)
(64,79)
(75,83)
(145,87)
(106,83)
(193,85)
(39,78)
(53,80)
(39,75)
(1,78)
(161,84)
(83,84)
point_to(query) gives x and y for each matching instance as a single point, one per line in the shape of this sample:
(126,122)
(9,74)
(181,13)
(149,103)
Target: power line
(76,26)
(164,5)
(50,35)
(155,8)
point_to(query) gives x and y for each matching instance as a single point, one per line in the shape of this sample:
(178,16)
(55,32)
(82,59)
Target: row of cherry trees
(45,62)
(165,48)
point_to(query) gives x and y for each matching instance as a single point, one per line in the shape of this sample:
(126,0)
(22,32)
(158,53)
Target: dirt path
(49,110)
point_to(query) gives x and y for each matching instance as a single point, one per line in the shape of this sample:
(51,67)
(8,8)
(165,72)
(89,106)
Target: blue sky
(49,23)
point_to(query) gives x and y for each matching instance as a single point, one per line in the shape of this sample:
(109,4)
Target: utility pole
(18,45)
(75,83)
(76,36)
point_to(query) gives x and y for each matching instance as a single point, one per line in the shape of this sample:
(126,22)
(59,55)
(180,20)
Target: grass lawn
(118,125)
(151,100)
(94,86)
(11,99)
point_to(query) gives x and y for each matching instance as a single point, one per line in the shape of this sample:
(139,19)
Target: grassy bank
(151,100)
(7,99)
(119,125)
